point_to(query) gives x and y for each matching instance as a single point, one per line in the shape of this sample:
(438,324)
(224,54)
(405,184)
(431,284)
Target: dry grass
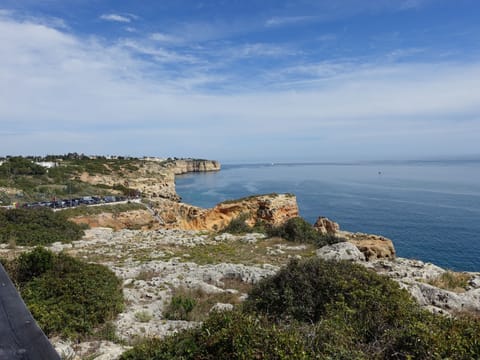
(199,302)
(452,281)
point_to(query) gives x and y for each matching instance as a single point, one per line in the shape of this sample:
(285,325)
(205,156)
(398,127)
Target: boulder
(326,226)
(340,251)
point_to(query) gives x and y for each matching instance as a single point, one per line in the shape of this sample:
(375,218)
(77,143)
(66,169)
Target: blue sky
(284,80)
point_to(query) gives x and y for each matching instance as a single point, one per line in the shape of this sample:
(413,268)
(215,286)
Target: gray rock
(221,307)
(340,251)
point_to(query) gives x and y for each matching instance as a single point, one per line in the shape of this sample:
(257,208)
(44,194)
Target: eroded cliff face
(273,209)
(187,166)
(153,179)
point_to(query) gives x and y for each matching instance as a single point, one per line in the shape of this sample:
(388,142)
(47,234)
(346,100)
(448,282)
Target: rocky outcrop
(372,246)
(416,277)
(273,209)
(340,251)
(326,226)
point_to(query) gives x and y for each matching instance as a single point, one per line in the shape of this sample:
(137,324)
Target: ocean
(431,210)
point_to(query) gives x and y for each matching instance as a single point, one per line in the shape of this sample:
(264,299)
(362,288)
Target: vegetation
(450,280)
(66,296)
(37,227)
(195,304)
(238,225)
(316,309)
(225,336)
(299,230)
(36,183)
(20,166)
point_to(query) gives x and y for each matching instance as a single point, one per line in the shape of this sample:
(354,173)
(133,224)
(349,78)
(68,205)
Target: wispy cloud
(158,53)
(288,20)
(165,38)
(116,18)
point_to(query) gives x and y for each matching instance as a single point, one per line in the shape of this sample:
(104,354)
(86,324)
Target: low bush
(351,312)
(66,296)
(238,225)
(180,307)
(40,226)
(225,336)
(299,230)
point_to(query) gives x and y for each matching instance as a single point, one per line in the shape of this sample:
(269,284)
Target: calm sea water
(431,210)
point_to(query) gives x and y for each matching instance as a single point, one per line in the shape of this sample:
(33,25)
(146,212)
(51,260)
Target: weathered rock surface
(326,226)
(273,209)
(340,251)
(414,275)
(372,246)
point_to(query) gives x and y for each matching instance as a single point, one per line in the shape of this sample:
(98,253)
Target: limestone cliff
(273,209)
(191,165)
(153,179)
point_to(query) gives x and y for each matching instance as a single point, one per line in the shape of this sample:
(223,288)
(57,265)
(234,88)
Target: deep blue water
(431,210)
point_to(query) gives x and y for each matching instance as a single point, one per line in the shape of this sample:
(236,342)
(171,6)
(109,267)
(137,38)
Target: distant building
(47,164)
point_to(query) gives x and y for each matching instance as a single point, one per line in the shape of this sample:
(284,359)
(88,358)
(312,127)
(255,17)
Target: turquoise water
(431,210)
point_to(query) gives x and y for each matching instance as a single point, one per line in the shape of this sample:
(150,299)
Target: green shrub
(225,336)
(20,166)
(238,225)
(40,226)
(303,289)
(358,314)
(180,307)
(67,296)
(34,263)
(298,230)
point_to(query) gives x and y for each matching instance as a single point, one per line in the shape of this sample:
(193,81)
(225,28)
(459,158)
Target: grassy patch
(143,316)
(237,252)
(452,281)
(195,304)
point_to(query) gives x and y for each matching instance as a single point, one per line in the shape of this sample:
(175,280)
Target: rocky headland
(171,246)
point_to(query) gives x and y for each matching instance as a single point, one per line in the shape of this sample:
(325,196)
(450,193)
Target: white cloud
(165,38)
(116,18)
(288,20)
(62,93)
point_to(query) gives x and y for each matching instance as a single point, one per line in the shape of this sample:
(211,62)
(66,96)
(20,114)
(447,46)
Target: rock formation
(326,226)
(273,209)
(372,246)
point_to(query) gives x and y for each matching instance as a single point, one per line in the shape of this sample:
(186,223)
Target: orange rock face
(372,246)
(273,209)
(325,226)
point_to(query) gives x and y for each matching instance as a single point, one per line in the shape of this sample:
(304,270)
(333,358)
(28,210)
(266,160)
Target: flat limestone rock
(340,251)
